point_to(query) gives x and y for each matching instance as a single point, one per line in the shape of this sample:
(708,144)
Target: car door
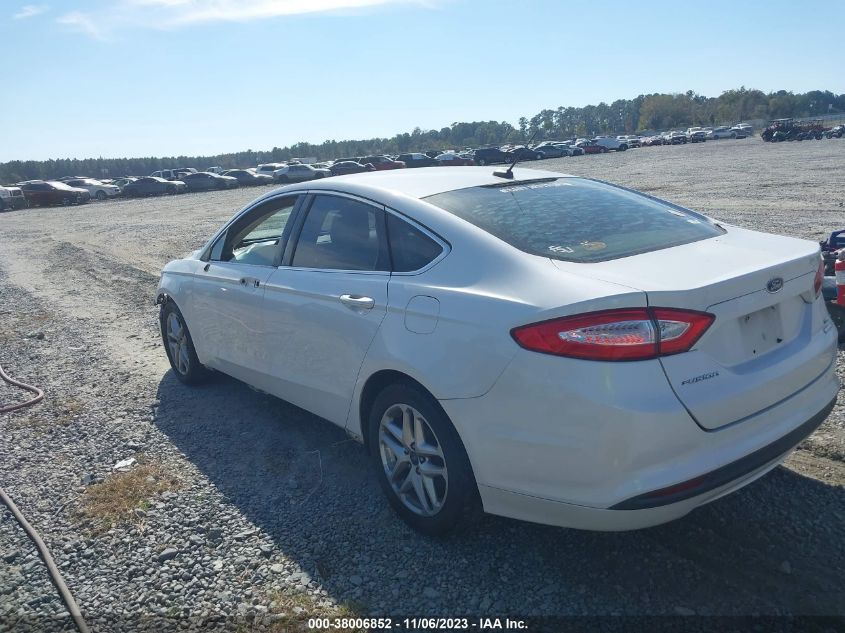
(227,294)
(324,307)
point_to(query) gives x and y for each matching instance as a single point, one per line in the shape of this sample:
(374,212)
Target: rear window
(575,220)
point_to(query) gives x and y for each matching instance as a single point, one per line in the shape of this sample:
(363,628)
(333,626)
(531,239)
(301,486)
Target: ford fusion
(539,346)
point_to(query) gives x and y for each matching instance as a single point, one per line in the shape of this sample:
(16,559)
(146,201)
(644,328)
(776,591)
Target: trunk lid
(762,347)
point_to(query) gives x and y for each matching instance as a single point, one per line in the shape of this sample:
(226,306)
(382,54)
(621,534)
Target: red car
(382,162)
(453,160)
(591,147)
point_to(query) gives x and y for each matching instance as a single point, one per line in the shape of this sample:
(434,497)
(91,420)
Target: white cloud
(169,14)
(29,11)
(82,22)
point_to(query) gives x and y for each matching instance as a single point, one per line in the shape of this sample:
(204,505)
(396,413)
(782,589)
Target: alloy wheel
(177,343)
(413,460)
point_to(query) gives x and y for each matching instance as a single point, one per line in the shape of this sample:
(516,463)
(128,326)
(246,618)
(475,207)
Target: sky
(122,78)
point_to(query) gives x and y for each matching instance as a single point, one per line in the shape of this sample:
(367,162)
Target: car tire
(482,162)
(66,201)
(179,346)
(450,498)
(623,148)
(101,195)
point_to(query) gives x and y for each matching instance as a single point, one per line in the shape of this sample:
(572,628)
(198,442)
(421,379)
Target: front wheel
(420,461)
(180,346)
(481,162)
(101,195)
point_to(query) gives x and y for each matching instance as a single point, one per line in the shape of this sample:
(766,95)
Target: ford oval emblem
(774,284)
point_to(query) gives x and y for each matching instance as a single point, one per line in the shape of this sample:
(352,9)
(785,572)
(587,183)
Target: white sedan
(97,189)
(544,347)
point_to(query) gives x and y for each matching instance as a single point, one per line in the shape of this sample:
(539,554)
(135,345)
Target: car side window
(410,248)
(342,234)
(256,237)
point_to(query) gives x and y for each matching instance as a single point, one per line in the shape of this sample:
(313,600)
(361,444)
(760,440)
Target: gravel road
(274,514)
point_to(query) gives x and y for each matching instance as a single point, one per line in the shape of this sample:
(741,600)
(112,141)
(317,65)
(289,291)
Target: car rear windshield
(574,219)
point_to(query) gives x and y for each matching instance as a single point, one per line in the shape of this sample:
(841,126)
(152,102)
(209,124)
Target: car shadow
(773,547)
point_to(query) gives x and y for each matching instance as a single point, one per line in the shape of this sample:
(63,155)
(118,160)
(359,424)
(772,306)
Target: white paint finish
(226,314)
(539,429)
(316,342)
(421,314)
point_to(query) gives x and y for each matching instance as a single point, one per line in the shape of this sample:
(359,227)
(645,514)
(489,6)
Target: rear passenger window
(410,248)
(342,234)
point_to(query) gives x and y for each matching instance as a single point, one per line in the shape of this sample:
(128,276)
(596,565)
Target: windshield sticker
(538,185)
(561,249)
(593,246)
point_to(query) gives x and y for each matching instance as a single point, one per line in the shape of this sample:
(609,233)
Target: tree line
(623,116)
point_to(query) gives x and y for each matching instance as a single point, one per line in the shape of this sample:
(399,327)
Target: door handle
(357,302)
(250,281)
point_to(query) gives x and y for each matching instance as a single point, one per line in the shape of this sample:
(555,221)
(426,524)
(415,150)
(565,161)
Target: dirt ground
(274,500)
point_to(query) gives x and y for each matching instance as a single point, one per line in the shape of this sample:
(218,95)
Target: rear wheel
(481,162)
(101,195)
(180,346)
(623,147)
(420,461)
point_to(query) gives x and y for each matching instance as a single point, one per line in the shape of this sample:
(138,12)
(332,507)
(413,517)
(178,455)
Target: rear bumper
(729,473)
(597,445)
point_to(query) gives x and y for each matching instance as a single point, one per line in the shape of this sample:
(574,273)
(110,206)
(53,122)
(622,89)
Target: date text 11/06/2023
(412,624)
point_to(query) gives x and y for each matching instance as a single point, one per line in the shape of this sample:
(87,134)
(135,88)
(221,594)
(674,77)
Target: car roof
(425,181)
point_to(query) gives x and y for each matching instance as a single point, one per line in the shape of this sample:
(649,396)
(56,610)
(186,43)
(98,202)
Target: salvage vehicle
(153,186)
(299,173)
(488,156)
(12,198)
(591,147)
(248,177)
(345,167)
(96,188)
(382,162)
(545,347)
(50,192)
(206,181)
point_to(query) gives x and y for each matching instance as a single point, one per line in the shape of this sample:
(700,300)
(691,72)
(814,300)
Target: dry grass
(292,609)
(114,500)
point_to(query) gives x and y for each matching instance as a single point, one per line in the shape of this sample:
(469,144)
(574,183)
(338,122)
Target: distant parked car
(522,153)
(592,147)
(205,181)
(417,159)
(344,167)
(12,198)
(153,186)
(698,136)
(96,188)
(120,183)
(173,174)
(631,140)
(50,192)
(573,151)
(267,169)
(248,177)
(837,131)
(488,156)
(611,142)
(553,151)
(450,159)
(745,128)
(674,138)
(723,131)
(299,173)
(382,162)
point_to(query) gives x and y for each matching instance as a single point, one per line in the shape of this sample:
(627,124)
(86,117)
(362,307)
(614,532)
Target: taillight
(623,334)
(817,282)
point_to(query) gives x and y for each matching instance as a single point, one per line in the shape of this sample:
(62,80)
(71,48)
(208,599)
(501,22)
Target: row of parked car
(80,189)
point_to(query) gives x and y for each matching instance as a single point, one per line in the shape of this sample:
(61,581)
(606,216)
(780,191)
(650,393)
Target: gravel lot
(272,514)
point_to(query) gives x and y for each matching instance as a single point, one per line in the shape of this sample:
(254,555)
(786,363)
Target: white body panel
(550,439)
